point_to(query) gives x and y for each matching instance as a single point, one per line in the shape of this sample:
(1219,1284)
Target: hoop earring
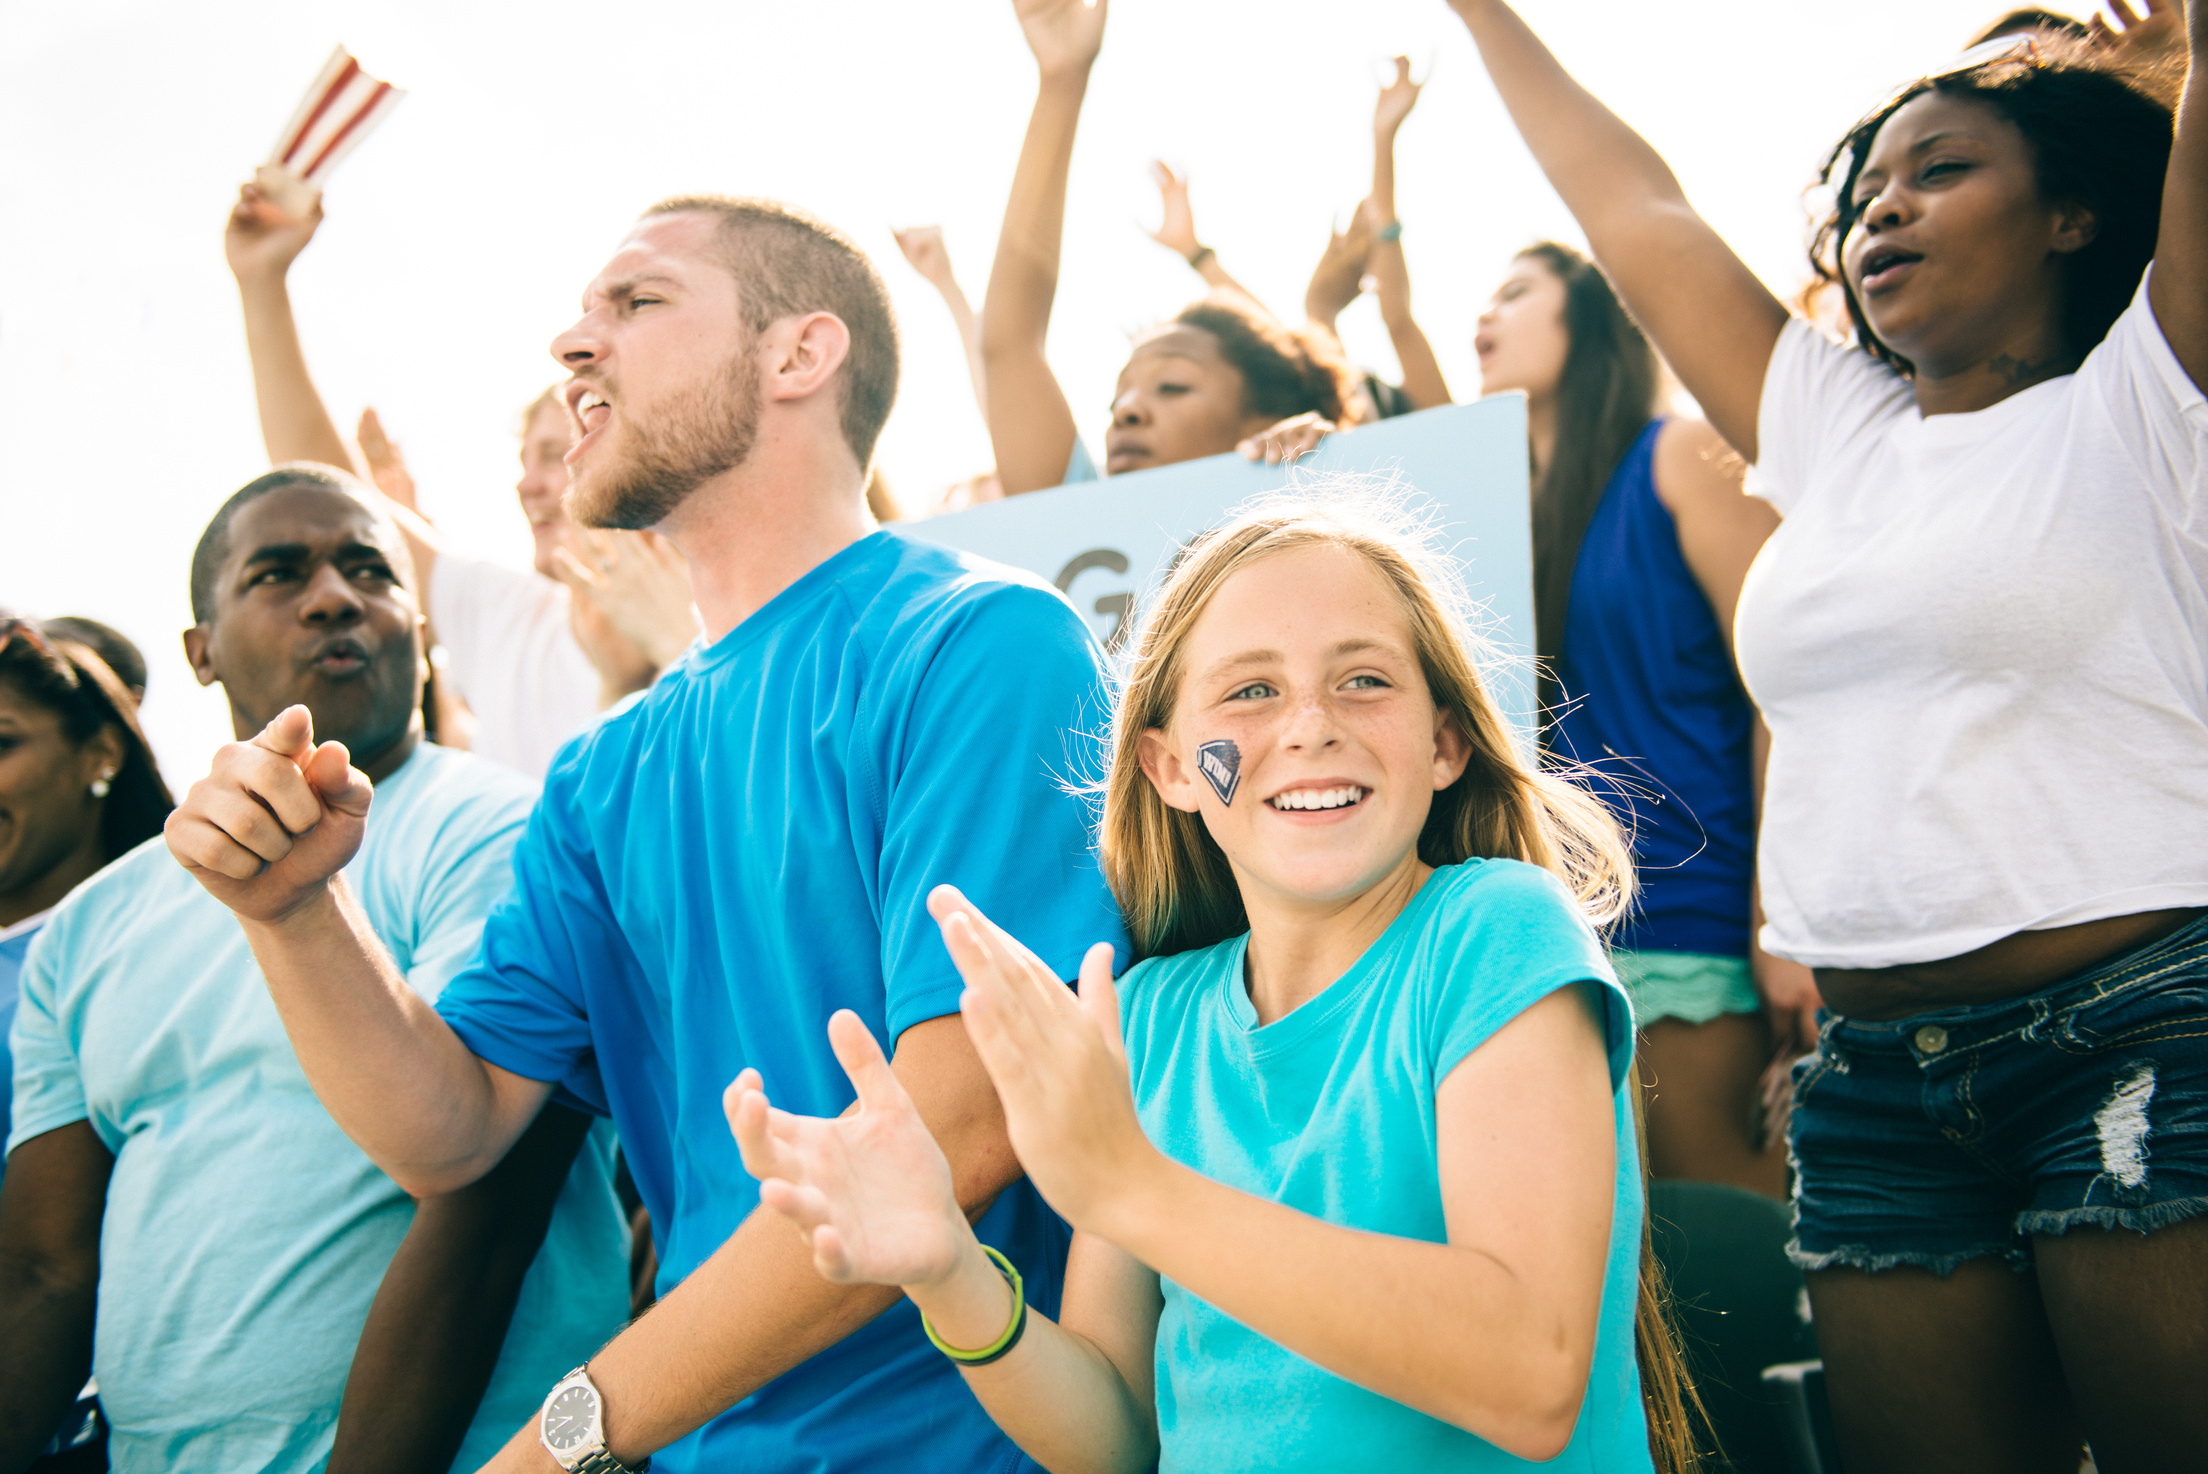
(99,786)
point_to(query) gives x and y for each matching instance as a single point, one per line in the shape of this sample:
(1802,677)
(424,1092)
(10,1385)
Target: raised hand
(1396,100)
(273,820)
(2143,43)
(1177,228)
(1064,35)
(923,247)
(638,582)
(869,1190)
(1056,1060)
(274,218)
(1284,441)
(1340,274)
(386,467)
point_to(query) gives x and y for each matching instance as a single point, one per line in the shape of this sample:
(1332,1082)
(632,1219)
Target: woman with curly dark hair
(1979,638)
(1222,375)
(78,787)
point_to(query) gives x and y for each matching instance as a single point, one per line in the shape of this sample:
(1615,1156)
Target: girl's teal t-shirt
(1330,1110)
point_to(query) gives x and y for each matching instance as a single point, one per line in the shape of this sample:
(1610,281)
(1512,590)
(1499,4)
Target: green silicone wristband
(1389,233)
(1012,1332)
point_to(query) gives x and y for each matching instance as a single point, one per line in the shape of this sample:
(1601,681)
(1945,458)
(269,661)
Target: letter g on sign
(1116,606)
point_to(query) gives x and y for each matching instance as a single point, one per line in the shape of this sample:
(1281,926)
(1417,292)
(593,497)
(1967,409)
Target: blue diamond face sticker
(1221,764)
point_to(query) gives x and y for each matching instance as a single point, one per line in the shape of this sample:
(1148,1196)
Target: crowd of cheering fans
(620,1012)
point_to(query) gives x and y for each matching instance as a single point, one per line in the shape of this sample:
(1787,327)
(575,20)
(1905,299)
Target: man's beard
(677,446)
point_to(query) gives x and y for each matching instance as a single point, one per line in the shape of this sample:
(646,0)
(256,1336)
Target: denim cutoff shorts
(1958,1134)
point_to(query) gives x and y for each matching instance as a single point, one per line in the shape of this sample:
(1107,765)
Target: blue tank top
(1654,706)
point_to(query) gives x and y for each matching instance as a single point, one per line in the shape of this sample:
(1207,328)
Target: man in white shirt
(535,656)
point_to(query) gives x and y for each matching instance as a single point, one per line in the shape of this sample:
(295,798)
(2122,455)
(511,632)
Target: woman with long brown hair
(1642,538)
(78,787)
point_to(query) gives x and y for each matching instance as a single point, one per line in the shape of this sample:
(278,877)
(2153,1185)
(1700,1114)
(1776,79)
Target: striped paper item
(342,107)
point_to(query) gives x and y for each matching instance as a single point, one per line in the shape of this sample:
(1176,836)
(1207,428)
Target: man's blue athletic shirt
(748,847)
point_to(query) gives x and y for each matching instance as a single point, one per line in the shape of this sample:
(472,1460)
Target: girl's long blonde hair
(1173,883)
(1171,878)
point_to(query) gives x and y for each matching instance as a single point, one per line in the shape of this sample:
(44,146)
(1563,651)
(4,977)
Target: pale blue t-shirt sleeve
(1509,939)
(470,873)
(48,1086)
(1080,466)
(519,1003)
(1005,723)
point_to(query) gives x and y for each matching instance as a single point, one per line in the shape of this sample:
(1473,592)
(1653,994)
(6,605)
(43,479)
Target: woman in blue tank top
(1642,536)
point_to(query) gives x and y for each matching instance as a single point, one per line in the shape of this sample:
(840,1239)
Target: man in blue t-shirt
(721,865)
(179,1214)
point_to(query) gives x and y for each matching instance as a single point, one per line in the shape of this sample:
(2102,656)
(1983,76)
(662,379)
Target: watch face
(569,1418)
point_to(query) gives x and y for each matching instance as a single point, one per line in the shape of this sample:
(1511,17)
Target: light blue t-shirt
(1080,466)
(721,865)
(245,1236)
(1330,1110)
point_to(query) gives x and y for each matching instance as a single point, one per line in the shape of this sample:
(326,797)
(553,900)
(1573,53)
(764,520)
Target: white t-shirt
(513,658)
(1979,642)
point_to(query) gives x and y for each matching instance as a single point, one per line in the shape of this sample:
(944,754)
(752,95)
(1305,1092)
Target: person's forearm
(758,1306)
(1713,320)
(52,1203)
(1602,168)
(2178,288)
(392,1073)
(751,1312)
(1423,383)
(439,1320)
(295,426)
(46,1322)
(1031,426)
(1023,278)
(1055,1394)
(969,333)
(1220,279)
(1383,176)
(1446,1329)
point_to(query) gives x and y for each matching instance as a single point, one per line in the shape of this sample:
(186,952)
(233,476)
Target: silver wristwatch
(572,1428)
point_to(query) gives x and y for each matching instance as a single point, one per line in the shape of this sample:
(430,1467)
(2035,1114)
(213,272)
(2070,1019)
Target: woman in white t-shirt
(1980,639)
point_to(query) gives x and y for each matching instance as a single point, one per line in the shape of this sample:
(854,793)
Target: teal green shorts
(1693,987)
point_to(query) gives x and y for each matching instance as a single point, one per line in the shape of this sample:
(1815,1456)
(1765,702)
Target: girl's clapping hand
(1056,1060)
(869,1189)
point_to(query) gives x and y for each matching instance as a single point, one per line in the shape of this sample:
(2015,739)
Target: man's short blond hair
(787,262)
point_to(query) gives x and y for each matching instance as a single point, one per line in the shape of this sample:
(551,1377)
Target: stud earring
(99,786)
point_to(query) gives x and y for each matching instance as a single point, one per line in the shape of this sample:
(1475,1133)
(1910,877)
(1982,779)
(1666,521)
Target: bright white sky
(460,235)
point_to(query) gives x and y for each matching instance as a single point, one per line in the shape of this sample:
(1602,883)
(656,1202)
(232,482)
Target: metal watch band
(601,1462)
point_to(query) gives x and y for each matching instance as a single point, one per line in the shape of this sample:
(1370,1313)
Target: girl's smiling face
(1305,663)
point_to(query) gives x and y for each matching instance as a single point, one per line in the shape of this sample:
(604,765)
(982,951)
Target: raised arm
(2179,290)
(1177,231)
(439,1320)
(1709,316)
(632,611)
(51,1204)
(1031,426)
(1423,384)
(924,249)
(1340,274)
(387,469)
(268,832)
(276,215)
